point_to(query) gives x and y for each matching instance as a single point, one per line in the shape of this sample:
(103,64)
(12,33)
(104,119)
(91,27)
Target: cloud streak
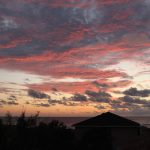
(136,92)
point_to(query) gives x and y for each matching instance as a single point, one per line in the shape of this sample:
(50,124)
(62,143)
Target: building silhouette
(114,129)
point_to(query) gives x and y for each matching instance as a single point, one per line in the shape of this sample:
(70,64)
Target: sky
(75,57)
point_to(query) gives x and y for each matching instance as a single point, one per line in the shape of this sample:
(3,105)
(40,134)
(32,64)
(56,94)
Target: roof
(107,120)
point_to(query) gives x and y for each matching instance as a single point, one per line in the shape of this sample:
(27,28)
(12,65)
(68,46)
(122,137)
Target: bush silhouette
(28,135)
(8,119)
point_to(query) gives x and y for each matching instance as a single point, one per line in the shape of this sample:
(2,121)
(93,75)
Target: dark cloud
(37,94)
(42,105)
(136,92)
(120,104)
(12,103)
(132,100)
(79,97)
(102,85)
(3,102)
(12,98)
(129,103)
(53,102)
(65,102)
(98,96)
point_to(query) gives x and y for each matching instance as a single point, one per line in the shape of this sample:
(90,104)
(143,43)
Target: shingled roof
(107,120)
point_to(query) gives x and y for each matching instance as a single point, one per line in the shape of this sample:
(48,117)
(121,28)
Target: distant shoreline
(143,120)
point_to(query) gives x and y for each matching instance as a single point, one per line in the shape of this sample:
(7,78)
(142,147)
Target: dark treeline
(26,134)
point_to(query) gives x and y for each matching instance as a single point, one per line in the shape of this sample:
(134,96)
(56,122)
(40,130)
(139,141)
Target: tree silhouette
(8,119)
(32,120)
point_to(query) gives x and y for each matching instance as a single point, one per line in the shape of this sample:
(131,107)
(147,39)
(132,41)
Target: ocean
(144,120)
(69,121)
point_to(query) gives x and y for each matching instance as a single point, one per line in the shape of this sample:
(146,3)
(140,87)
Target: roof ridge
(107,119)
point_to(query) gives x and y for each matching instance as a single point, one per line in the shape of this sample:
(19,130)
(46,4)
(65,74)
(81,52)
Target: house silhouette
(109,124)
(110,132)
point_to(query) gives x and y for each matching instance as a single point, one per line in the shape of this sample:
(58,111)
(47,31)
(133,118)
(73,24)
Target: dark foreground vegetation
(26,134)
